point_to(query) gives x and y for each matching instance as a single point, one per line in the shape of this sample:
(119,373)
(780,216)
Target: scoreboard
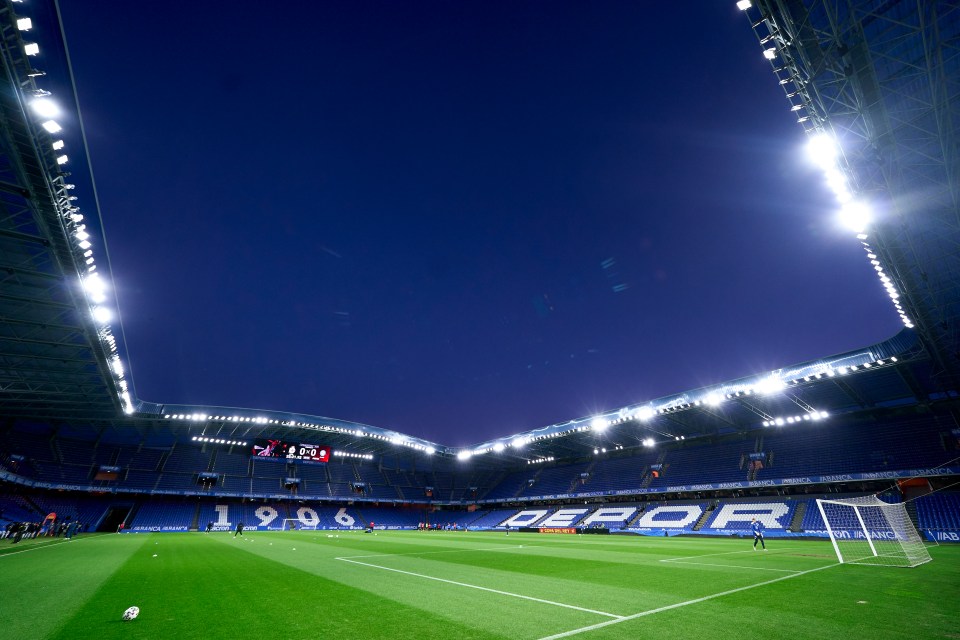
(267,448)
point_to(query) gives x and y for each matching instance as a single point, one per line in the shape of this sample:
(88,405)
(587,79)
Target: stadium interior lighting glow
(648,442)
(743,5)
(24,24)
(45,107)
(599,424)
(855,216)
(498,447)
(31,48)
(430,451)
(464,455)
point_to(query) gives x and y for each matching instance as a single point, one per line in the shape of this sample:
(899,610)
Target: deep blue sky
(459,220)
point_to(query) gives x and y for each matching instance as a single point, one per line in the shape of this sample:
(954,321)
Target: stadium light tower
(878,81)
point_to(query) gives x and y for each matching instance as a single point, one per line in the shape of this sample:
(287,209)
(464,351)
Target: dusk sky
(458,220)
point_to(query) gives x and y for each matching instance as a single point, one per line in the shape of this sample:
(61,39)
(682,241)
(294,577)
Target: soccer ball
(131,613)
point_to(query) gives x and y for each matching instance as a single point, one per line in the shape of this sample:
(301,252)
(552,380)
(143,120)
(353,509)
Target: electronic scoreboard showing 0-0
(266,448)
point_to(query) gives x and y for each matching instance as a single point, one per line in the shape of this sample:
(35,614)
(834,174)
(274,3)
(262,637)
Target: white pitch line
(497,591)
(710,555)
(731,566)
(46,546)
(423,553)
(600,625)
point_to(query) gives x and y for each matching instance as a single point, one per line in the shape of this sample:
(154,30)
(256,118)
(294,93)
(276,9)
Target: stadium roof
(880,80)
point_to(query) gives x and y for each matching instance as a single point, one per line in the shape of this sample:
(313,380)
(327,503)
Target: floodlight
(856,216)
(778,422)
(599,424)
(518,442)
(24,24)
(822,150)
(648,442)
(464,455)
(743,5)
(51,126)
(714,399)
(102,315)
(645,413)
(31,48)
(430,451)
(498,447)
(62,159)
(770,53)
(769,385)
(45,107)
(84,244)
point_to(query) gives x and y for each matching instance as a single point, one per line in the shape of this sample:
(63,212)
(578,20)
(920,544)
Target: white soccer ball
(131,613)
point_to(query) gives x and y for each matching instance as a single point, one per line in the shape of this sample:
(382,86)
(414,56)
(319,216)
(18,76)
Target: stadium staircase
(578,481)
(705,516)
(195,523)
(796,523)
(912,513)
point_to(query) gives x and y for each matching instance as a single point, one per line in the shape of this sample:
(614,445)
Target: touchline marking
(732,566)
(710,555)
(46,546)
(600,625)
(423,553)
(473,586)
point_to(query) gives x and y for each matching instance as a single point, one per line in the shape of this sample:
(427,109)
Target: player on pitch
(757,527)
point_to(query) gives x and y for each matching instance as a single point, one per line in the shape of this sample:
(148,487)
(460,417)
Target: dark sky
(459,220)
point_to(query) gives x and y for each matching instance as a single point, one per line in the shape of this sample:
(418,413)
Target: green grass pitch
(307,584)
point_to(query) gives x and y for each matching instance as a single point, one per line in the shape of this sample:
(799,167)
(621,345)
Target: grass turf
(463,585)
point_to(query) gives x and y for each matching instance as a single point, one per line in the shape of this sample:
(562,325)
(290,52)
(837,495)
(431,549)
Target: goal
(293,524)
(868,530)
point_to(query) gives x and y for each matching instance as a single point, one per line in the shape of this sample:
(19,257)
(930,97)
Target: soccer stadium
(817,500)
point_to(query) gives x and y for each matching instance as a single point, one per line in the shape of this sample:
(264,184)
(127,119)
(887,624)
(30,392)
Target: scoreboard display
(266,448)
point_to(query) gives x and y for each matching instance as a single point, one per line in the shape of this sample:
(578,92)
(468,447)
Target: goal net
(868,530)
(293,524)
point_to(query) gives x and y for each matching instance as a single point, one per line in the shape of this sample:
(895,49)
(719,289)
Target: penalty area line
(650,612)
(487,589)
(424,553)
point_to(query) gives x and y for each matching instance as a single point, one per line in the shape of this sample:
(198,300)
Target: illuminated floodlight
(743,5)
(824,415)
(648,442)
(855,216)
(498,447)
(599,424)
(31,48)
(822,150)
(645,412)
(24,24)
(713,399)
(84,244)
(51,126)
(778,422)
(102,315)
(62,159)
(518,442)
(770,385)
(45,107)
(464,455)
(770,53)
(430,451)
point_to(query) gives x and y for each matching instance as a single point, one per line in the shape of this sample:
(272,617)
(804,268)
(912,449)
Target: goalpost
(867,530)
(293,524)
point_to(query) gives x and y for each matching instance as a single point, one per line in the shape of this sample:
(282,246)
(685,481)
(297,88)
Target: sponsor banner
(157,529)
(557,530)
(941,535)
